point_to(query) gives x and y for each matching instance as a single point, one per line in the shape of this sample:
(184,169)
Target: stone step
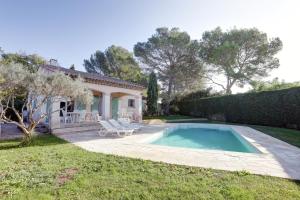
(59,131)
(79,124)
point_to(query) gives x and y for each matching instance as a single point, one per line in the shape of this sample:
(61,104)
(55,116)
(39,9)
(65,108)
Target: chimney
(53,62)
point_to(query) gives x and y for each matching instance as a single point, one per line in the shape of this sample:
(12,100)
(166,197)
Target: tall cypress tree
(152,94)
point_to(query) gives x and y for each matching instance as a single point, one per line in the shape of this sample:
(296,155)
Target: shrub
(271,108)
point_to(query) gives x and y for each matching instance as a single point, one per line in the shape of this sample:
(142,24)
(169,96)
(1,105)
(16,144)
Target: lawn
(52,169)
(288,135)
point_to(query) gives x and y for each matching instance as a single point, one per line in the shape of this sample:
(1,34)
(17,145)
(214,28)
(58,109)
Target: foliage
(115,62)
(275,84)
(174,56)
(152,94)
(241,55)
(208,92)
(29,62)
(37,88)
(280,108)
(34,172)
(200,94)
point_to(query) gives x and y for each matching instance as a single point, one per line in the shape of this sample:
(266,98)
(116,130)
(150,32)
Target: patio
(278,158)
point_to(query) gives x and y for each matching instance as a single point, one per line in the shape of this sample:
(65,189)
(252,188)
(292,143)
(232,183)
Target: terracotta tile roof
(100,79)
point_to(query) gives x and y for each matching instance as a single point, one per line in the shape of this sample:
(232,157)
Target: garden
(50,168)
(180,80)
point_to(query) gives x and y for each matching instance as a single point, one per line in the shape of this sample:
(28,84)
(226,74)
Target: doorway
(115,107)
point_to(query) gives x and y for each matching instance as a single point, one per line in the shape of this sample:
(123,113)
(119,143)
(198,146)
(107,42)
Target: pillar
(54,119)
(106,107)
(139,107)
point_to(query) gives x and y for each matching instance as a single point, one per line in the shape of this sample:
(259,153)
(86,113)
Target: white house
(113,98)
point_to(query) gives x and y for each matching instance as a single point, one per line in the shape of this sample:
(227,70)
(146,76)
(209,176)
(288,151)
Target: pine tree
(152,94)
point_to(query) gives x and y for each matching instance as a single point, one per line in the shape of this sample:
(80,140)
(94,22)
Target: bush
(279,108)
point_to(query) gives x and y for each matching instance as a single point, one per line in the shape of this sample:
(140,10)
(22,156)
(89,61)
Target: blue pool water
(206,138)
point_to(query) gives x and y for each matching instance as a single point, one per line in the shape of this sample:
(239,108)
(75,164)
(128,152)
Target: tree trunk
(27,138)
(229,85)
(168,100)
(228,90)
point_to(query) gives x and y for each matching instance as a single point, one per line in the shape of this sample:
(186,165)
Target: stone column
(106,108)
(139,107)
(54,119)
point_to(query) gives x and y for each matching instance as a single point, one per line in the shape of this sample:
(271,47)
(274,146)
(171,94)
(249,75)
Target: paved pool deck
(277,158)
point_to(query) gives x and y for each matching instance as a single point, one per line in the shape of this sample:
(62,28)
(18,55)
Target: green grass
(288,135)
(52,169)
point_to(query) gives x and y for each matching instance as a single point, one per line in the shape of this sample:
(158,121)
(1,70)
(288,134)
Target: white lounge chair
(126,123)
(116,124)
(111,129)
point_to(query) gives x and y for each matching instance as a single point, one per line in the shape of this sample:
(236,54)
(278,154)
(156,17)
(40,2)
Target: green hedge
(279,108)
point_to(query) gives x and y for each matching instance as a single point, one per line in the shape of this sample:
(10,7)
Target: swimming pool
(205,137)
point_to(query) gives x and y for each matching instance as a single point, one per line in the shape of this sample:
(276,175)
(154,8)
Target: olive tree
(38,89)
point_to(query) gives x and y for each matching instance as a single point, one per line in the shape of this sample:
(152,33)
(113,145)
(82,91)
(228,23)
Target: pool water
(206,138)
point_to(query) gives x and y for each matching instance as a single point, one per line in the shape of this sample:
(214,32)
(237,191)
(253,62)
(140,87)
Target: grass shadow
(38,140)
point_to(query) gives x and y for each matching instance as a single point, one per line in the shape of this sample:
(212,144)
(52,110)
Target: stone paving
(277,158)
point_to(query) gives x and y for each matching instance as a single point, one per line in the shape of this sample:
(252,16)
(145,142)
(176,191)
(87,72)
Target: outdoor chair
(126,123)
(118,125)
(108,128)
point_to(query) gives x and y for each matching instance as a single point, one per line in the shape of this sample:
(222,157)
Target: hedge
(279,108)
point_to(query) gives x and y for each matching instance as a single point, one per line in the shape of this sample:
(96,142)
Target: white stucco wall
(106,93)
(123,105)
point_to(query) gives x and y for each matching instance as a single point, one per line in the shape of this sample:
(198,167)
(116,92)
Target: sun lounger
(108,128)
(118,125)
(126,123)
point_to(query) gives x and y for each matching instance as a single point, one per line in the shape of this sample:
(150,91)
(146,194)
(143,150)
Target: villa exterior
(112,98)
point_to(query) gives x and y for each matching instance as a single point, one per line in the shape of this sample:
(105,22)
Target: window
(70,107)
(131,103)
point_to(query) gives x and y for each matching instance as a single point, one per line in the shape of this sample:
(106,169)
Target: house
(112,98)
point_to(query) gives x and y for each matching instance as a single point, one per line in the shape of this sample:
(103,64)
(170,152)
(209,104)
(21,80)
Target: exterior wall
(108,91)
(104,103)
(124,108)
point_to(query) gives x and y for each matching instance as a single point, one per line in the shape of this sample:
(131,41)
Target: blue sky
(71,30)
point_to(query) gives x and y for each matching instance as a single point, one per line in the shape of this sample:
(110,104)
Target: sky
(72,30)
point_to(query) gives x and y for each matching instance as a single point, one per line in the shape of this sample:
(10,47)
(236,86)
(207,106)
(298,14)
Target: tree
(175,58)
(115,62)
(30,62)
(274,84)
(38,89)
(152,94)
(241,55)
